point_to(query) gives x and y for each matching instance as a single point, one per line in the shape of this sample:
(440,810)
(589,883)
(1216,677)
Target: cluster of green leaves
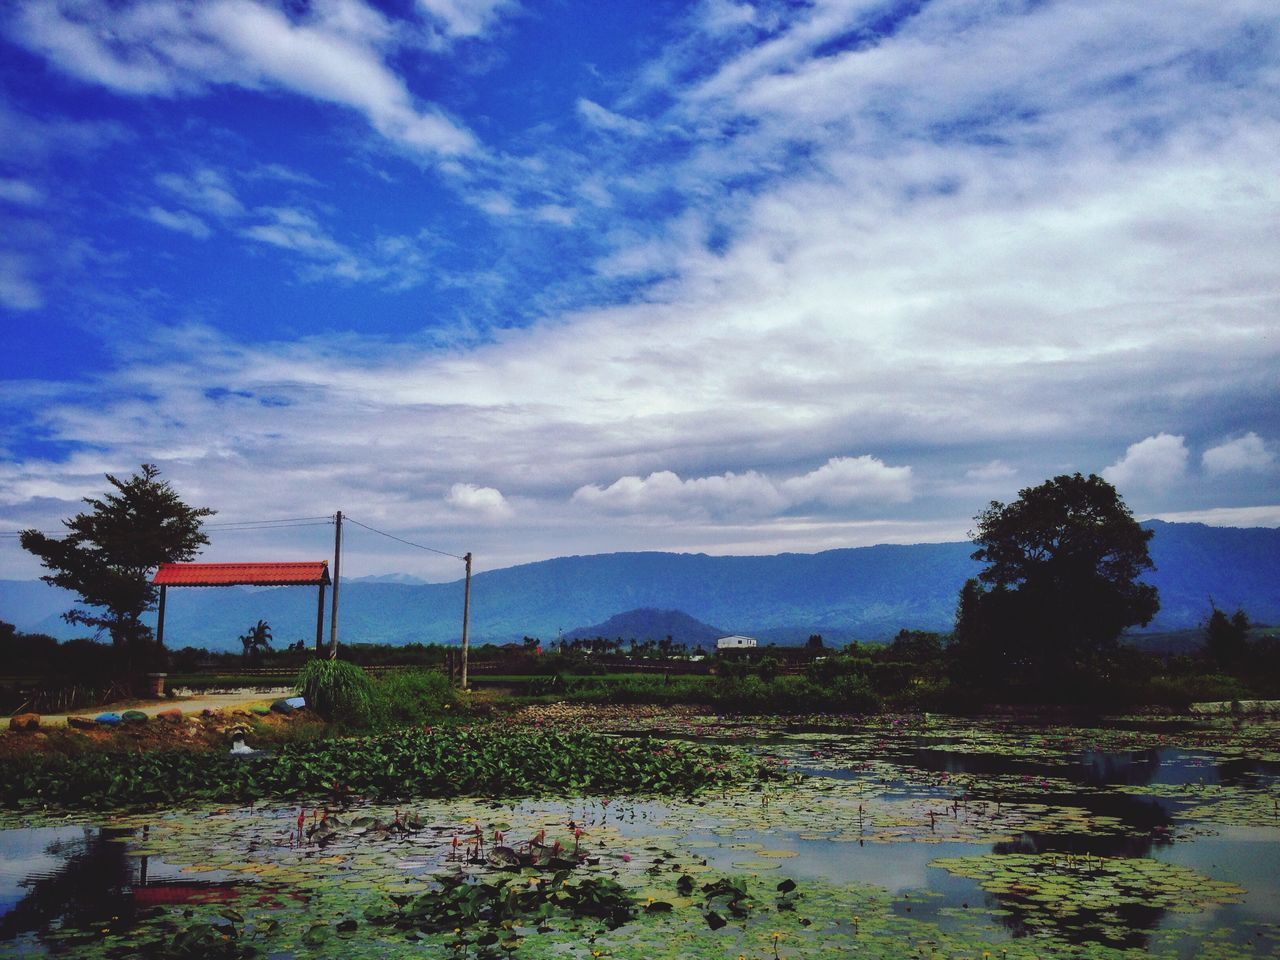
(457,902)
(447,763)
(223,939)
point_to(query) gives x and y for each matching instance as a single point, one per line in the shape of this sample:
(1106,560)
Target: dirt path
(193,704)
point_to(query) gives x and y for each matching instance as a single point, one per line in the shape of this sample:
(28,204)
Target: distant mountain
(647,623)
(863,593)
(387,578)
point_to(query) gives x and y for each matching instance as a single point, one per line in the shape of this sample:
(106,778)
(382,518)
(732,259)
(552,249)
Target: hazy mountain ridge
(854,593)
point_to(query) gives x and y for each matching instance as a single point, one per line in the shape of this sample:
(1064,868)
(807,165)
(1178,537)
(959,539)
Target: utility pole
(337,561)
(466,612)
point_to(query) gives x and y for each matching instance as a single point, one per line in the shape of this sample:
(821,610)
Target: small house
(735,643)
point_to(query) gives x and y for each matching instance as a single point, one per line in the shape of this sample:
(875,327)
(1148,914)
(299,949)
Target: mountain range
(864,593)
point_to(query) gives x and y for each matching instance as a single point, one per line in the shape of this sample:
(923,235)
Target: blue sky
(532,279)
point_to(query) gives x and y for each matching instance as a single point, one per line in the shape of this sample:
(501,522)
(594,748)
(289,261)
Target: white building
(735,643)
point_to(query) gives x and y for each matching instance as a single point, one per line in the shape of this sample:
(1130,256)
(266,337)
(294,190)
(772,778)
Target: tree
(257,640)
(1061,581)
(916,646)
(1227,638)
(110,551)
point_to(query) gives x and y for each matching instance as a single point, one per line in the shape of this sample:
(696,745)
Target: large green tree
(1227,638)
(111,550)
(1061,582)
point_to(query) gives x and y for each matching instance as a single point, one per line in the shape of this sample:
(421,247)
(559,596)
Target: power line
(391,536)
(227,526)
(242,523)
(283,523)
(269,526)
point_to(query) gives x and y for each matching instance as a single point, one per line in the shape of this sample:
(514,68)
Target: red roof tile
(311,573)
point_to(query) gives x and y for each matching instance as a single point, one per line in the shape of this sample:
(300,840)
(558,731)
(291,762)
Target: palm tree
(256,640)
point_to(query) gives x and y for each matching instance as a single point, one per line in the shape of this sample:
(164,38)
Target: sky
(532,279)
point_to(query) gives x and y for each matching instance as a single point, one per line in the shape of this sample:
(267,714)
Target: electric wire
(282,523)
(259,523)
(223,526)
(391,536)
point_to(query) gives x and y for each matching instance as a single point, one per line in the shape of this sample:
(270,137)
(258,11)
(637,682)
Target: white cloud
(604,119)
(1260,516)
(995,470)
(205,190)
(663,492)
(17,290)
(180,221)
(848,480)
(156,48)
(399,261)
(25,137)
(296,230)
(495,204)
(281,173)
(555,213)
(20,192)
(467,18)
(484,501)
(840,482)
(1153,463)
(1247,453)
(719,16)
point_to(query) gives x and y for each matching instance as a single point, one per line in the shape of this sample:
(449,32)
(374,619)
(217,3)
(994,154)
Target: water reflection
(68,876)
(85,878)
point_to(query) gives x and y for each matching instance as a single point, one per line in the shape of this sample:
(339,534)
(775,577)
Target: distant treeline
(916,670)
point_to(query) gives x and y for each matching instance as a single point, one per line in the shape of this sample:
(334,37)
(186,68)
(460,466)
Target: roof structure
(298,574)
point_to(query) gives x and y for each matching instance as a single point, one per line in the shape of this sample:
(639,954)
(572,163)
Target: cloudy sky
(539,278)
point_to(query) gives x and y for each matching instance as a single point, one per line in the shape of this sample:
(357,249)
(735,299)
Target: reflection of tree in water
(1094,768)
(90,888)
(1133,768)
(1241,772)
(1126,925)
(1121,925)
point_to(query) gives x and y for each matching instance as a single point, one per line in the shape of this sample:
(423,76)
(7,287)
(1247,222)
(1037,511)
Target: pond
(906,837)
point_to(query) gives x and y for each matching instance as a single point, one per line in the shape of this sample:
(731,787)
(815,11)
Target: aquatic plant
(1091,896)
(458,902)
(445,763)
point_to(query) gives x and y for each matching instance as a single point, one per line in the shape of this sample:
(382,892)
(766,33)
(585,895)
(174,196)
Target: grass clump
(339,691)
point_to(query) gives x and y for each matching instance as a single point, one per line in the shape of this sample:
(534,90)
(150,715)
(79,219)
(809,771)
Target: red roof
(306,574)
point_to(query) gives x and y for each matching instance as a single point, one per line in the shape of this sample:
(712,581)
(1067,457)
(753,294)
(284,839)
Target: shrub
(1181,692)
(339,691)
(411,697)
(852,693)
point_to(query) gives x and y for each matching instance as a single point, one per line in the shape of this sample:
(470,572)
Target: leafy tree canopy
(1227,638)
(111,549)
(1061,581)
